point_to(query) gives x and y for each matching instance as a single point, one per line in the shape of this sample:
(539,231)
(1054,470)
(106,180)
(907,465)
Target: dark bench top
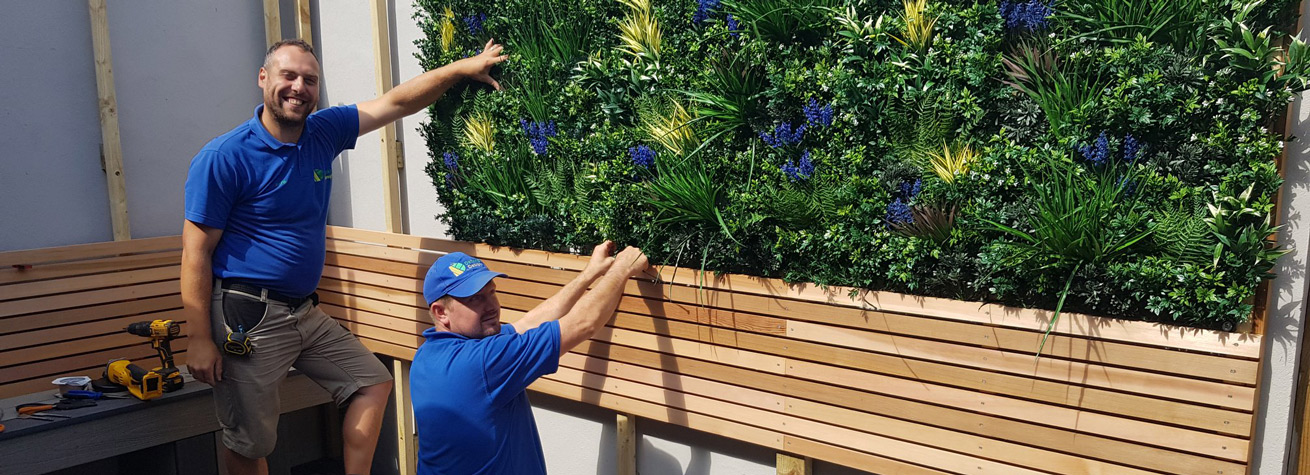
(117,426)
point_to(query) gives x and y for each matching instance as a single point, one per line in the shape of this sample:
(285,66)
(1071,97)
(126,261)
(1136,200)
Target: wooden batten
(304,22)
(111,148)
(393,212)
(272,22)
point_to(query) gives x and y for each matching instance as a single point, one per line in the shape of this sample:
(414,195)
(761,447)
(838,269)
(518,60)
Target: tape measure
(238,343)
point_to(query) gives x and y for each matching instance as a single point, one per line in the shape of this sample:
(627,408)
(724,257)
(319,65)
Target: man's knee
(251,449)
(377,392)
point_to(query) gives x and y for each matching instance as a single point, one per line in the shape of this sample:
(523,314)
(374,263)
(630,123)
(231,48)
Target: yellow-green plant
(478,132)
(672,128)
(447,30)
(952,161)
(639,31)
(918,26)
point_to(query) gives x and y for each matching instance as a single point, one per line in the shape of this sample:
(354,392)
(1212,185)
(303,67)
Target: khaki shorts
(247,399)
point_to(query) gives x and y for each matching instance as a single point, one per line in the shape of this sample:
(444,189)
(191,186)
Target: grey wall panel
(185,72)
(52,189)
(345,30)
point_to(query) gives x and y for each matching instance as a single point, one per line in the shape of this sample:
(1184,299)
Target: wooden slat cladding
(886,383)
(63,310)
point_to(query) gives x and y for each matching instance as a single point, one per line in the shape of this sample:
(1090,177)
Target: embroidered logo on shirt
(320,175)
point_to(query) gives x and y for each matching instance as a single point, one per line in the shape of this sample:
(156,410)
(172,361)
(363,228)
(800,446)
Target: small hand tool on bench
(31,409)
(90,395)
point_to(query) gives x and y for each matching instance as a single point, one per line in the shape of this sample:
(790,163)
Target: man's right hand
(203,360)
(631,261)
(600,260)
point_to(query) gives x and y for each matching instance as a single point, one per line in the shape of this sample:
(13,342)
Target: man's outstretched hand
(630,262)
(600,259)
(479,67)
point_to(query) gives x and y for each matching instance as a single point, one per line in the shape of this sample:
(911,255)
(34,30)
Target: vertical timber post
(406,440)
(792,465)
(626,456)
(272,22)
(111,148)
(304,30)
(390,154)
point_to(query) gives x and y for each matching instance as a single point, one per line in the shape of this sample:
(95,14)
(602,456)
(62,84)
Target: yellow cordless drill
(160,333)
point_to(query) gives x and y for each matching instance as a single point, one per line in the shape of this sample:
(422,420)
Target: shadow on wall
(651,459)
(340,201)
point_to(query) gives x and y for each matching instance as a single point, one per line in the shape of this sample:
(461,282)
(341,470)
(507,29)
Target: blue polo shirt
(471,404)
(270,199)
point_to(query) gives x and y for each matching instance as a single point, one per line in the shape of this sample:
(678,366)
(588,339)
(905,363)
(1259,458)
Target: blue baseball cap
(457,274)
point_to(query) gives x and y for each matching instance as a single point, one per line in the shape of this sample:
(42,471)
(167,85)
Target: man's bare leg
(238,464)
(360,427)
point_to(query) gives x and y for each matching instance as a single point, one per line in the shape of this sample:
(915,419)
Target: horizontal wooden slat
(713,425)
(87,282)
(1239,371)
(96,266)
(90,297)
(1245,346)
(80,331)
(915,433)
(850,458)
(917,411)
(692,403)
(79,315)
(1189,364)
(33,257)
(893,363)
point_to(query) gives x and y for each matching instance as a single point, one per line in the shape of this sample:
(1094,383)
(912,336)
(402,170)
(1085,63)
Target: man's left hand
(479,67)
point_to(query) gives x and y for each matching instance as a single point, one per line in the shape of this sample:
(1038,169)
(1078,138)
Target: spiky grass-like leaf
(1061,88)
(918,32)
(952,161)
(639,31)
(478,133)
(447,30)
(671,126)
(929,222)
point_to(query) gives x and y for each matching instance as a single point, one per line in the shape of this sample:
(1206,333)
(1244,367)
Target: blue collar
(266,136)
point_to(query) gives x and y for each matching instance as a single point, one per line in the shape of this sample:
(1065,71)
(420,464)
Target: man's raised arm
(564,300)
(413,95)
(596,307)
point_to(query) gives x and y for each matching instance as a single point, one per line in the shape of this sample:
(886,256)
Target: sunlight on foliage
(952,161)
(918,26)
(639,31)
(478,132)
(447,30)
(671,128)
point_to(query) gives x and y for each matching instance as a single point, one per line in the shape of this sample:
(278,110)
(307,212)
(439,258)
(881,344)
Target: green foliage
(1115,159)
(1064,88)
(1078,221)
(783,21)
(1179,23)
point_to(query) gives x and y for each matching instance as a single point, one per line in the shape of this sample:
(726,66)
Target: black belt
(257,291)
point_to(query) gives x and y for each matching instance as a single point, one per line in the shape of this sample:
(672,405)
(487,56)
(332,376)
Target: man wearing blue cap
(469,379)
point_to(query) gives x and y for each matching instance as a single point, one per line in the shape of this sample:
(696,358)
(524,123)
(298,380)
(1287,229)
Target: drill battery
(142,383)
